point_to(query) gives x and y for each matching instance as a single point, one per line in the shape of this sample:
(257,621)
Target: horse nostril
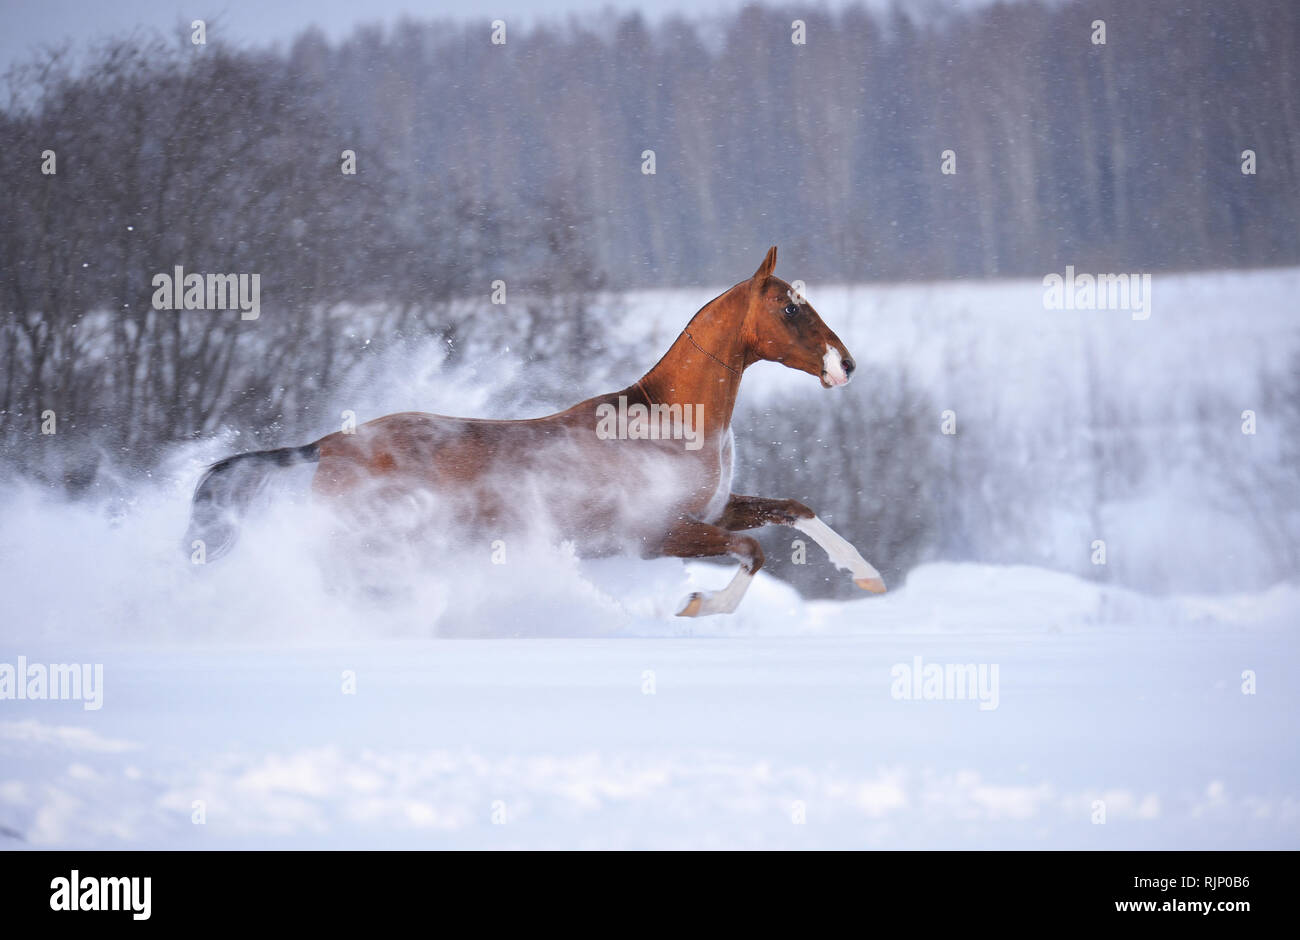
(848,366)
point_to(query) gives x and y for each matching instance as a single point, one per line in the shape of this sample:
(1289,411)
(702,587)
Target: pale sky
(28,23)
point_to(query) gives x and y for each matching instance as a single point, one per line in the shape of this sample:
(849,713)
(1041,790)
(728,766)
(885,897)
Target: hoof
(692,606)
(874,585)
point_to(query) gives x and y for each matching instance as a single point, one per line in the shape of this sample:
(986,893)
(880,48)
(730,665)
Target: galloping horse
(646,468)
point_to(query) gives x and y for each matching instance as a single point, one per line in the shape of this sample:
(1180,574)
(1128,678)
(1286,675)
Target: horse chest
(725,462)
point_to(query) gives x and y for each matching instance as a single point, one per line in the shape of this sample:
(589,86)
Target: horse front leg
(693,539)
(751,512)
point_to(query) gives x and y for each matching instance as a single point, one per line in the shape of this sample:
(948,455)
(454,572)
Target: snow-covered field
(665,740)
(556,702)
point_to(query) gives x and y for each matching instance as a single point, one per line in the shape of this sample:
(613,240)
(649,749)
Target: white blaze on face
(833,367)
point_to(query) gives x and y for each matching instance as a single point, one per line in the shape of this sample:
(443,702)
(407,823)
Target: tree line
(1108,134)
(228,161)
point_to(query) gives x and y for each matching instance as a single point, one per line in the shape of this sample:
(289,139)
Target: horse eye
(791,310)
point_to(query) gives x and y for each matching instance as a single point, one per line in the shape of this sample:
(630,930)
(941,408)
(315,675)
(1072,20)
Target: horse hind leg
(693,539)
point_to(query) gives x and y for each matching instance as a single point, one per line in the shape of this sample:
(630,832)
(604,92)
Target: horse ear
(769,264)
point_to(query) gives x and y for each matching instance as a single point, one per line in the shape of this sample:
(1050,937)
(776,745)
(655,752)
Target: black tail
(227,489)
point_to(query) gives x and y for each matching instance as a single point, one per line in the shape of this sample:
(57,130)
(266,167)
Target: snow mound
(978,598)
(80,573)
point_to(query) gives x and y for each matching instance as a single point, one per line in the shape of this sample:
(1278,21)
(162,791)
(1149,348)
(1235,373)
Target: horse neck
(704,366)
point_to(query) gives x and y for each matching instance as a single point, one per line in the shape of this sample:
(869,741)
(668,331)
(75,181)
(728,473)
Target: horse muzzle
(837,368)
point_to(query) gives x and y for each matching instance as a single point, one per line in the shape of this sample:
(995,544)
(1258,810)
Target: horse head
(782,326)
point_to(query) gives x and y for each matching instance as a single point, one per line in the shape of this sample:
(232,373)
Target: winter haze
(1066,269)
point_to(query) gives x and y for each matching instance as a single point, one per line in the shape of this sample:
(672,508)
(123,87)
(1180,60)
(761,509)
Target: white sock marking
(726,600)
(841,553)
